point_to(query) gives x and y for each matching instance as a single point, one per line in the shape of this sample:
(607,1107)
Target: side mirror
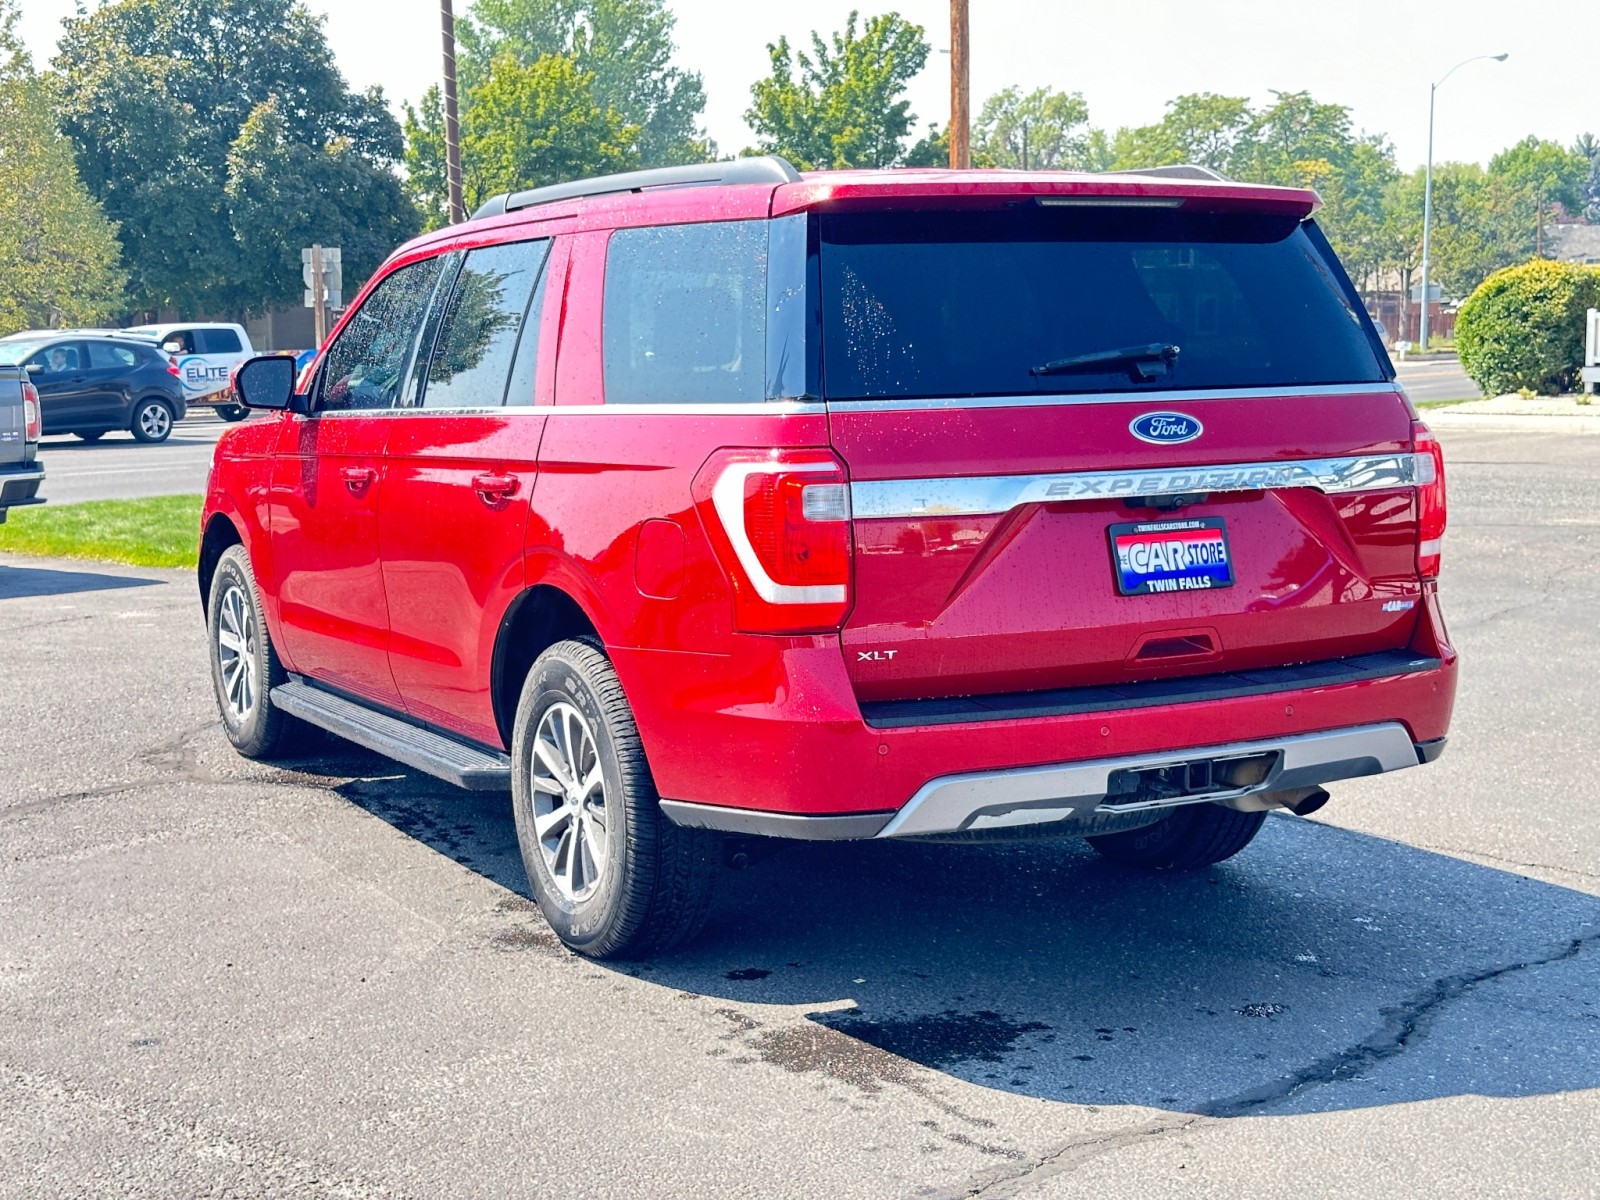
(173,347)
(35,368)
(265,382)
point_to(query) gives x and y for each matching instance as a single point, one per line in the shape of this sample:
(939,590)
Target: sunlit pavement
(223,978)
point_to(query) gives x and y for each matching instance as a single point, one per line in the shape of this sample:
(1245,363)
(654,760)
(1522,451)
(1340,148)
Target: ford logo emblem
(1165,428)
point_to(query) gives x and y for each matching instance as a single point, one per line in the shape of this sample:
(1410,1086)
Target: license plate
(1171,556)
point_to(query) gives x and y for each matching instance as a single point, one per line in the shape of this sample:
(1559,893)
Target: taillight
(1431,508)
(780,522)
(32,418)
(172,368)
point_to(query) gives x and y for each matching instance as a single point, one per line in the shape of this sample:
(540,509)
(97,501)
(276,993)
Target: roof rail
(765,169)
(1180,171)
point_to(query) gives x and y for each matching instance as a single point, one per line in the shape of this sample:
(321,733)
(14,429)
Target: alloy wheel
(236,652)
(569,802)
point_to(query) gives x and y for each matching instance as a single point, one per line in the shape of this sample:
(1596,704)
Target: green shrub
(1523,327)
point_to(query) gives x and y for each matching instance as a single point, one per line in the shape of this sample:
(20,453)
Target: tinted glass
(59,359)
(965,304)
(367,364)
(685,314)
(12,353)
(525,370)
(483,320)
(218,341)
(104,356)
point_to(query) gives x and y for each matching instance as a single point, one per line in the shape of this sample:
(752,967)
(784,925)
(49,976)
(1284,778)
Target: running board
(470,767)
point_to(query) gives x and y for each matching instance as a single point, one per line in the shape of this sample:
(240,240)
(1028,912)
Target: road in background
(119,468)
(1436,379)
(324,978)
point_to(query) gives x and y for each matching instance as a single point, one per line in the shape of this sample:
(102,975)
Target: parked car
(886,504)
(92,384)
(21,473)
(205,355)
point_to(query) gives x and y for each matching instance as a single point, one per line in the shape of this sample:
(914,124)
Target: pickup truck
(20,470)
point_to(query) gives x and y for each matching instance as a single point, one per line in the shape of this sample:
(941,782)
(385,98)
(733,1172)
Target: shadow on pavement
(1320,970)
(17,583)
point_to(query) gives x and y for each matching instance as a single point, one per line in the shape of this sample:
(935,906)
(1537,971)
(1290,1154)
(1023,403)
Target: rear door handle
(492,488)
(357,478)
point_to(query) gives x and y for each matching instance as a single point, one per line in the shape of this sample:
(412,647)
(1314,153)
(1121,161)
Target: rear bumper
(20,487)
(780,746)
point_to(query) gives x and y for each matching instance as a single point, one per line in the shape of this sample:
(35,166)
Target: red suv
(726,501)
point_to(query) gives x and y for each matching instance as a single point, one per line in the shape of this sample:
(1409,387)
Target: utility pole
(1024,145)
(960,88)
(1427,191)
(452,126)
(319,297)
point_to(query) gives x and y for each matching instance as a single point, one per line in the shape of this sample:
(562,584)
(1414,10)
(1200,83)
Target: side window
(103,356)
(685,314)
(60,359)
(219,341)
(179,341)
(366,365)
(483,322)
(525,370)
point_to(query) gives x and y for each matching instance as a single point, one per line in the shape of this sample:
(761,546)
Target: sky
(1127,57)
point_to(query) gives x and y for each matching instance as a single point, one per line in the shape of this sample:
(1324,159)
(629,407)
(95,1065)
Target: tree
(623,47)
(1041,129)
(841,105)
(1203,128)
(156,95)
(1588,148)
(1540,174)
(58,253)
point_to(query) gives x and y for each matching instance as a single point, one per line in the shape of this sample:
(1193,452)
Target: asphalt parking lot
(222,978)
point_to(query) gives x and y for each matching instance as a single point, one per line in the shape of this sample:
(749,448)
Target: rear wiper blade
(1143,362)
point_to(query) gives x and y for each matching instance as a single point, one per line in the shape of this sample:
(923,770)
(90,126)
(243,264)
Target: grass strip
(155,531)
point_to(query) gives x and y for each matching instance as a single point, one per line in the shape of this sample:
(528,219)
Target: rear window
(685,314)
(104,356)
(969,304)
(218,341)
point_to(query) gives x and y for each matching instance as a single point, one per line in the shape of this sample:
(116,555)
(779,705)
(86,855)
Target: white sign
(332,277)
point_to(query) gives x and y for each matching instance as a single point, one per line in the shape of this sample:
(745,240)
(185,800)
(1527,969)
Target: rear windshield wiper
(1143,362)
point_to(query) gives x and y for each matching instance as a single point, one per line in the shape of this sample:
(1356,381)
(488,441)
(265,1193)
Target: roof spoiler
(1180,171)
(764,169)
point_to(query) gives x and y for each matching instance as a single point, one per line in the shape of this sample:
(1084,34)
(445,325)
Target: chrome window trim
(764,408)
(1067,399)
(990,494)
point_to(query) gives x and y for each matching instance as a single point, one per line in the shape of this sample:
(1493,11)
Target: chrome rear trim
(1040,795)
(988,494)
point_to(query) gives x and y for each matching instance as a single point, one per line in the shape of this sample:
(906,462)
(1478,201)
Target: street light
(1427,188)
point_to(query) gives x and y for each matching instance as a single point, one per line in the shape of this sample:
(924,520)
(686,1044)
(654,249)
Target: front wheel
(1190,837)
(612,875)
(244,664)
(152,421)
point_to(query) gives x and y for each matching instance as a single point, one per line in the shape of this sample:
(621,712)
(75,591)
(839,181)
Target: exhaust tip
(1309,803)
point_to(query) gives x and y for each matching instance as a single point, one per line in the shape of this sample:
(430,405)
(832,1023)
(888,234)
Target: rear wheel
(92,436)
(232,412)
(1193,836)
(152,421)
(244,665)
(612,875)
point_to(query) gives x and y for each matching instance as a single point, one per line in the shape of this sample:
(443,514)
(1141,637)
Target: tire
(1190,837)
(93,436)
(256,727)
(232,412)
(152,421)
(614,877)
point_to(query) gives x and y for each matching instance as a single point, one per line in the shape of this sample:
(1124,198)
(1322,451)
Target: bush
(1523,327)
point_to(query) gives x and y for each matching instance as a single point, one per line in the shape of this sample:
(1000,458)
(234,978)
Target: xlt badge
(875,655)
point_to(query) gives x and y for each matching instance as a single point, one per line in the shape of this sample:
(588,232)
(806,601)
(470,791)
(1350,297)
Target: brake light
(1431,506)
(32,417)
(172,368)
(780,523)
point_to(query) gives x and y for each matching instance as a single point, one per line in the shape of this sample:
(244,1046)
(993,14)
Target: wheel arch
(220,533)
(537,619)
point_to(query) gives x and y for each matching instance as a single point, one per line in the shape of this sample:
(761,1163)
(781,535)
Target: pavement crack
(1402,1024)
(1072,1154)
(1463,852)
